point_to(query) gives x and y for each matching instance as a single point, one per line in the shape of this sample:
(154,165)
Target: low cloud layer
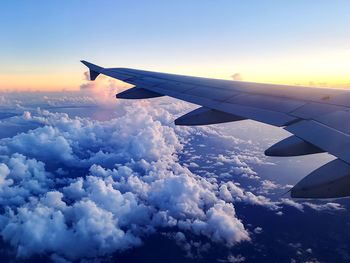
(107,185)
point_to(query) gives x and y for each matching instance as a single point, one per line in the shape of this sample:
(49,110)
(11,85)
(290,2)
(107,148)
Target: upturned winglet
(94,69)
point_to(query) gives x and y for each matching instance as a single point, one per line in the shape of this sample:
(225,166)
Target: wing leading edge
(317,117)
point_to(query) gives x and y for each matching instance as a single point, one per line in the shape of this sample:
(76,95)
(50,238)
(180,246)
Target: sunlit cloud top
(295,42)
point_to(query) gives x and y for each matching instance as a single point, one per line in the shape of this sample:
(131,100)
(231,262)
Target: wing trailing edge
(331,180)
(206,116)
(137,93)
(292,146)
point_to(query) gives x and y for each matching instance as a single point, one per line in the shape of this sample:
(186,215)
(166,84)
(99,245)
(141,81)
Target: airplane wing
(317,118)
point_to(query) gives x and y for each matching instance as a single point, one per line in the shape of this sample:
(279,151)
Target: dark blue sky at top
(48,36)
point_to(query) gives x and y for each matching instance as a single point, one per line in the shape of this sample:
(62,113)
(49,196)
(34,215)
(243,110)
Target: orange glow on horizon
(36,82)
(304,76)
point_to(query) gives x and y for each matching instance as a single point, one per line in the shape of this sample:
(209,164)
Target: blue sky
(260,39)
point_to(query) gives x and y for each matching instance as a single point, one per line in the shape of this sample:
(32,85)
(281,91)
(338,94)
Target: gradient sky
(295,42)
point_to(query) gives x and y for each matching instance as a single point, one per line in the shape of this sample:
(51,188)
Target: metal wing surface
(317,118)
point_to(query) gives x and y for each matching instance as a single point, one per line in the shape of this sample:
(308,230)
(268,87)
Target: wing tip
(94,69)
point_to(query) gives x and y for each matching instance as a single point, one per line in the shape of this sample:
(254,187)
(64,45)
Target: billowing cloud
(331,206)
(103,89)
(233,193)
(134,185)
(237,76)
